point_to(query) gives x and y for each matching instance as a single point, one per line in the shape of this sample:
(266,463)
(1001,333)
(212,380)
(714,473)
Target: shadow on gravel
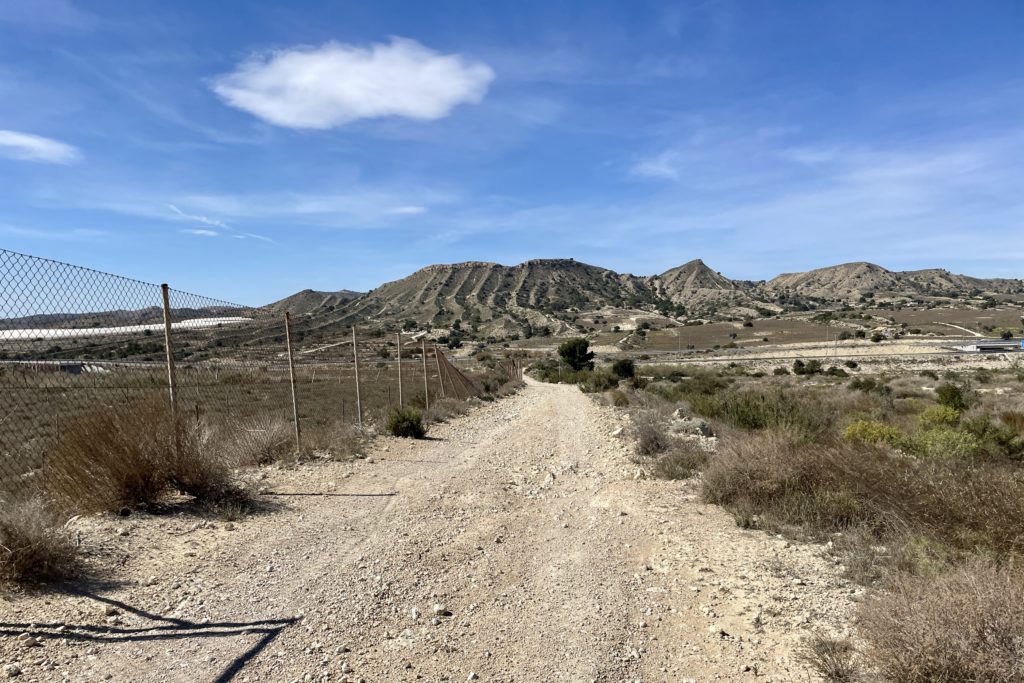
(335,495)
(165,628)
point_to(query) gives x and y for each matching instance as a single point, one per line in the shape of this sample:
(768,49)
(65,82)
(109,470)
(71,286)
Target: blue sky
(248,150)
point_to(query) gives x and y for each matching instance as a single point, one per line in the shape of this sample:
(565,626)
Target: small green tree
(624,368)
(952,396)
(577,354)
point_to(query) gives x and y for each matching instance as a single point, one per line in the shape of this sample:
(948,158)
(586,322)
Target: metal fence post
(355,357)
(172,375)
(398,337)
(426,385)
(440,378)
(291,377)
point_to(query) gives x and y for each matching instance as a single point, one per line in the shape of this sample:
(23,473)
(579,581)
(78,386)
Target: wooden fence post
(398,337)
(291,377)
(172,376)
(359,400)
(426,385)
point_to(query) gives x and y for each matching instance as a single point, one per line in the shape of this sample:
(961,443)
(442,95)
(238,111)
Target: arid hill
(849,281)
(543,295)
(309,301)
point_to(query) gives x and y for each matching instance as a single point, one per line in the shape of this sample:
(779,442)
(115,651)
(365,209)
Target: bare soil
(523,523)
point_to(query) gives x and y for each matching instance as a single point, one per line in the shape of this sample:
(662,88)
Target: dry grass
(444,409)
(832,658)
(337,441)
(964,625)
(33,546)
(835,487)
(257,441)
(684,460)
(651,437)
(113,458)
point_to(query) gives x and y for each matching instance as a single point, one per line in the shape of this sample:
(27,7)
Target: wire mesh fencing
(76,343)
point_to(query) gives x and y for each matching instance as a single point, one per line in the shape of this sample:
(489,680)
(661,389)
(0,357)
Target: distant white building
(993,346)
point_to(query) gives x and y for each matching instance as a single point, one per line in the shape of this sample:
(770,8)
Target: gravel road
(516,544)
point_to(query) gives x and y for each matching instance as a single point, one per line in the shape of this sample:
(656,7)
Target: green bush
(945,443)
(811,367)
(938,416)
(406,423)
(624,368)
(953,396)
(873,432)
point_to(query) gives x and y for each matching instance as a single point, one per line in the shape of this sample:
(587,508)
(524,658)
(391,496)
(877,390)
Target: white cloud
(203,233)
(28,147)
(337,83)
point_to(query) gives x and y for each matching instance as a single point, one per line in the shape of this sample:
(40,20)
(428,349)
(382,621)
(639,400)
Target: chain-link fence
(76,342)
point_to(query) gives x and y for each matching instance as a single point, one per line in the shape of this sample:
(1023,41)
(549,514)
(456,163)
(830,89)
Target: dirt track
(523,520)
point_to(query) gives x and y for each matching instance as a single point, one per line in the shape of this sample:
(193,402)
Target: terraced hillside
(502,299)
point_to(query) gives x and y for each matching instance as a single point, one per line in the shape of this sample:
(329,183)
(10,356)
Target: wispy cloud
(408,210)
(28,147)
(46,14)
(337,83)
(212,222)
(198,219)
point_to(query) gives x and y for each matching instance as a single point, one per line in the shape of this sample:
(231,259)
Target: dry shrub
(338,441)
(799,413)
(124,456)
(258,441)
(444,409)
(834,486)
(684,460)
(33,546)
(651,437)
(1014,419)
(832,658)
(964,625)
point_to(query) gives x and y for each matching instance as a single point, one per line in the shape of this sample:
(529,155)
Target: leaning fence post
(291,377)
(172,376)
(426,385)
(398,337)
(355,357)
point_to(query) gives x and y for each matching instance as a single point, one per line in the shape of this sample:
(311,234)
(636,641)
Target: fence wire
(75,342)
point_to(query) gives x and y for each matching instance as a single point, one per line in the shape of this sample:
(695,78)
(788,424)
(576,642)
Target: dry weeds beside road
(522,523)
